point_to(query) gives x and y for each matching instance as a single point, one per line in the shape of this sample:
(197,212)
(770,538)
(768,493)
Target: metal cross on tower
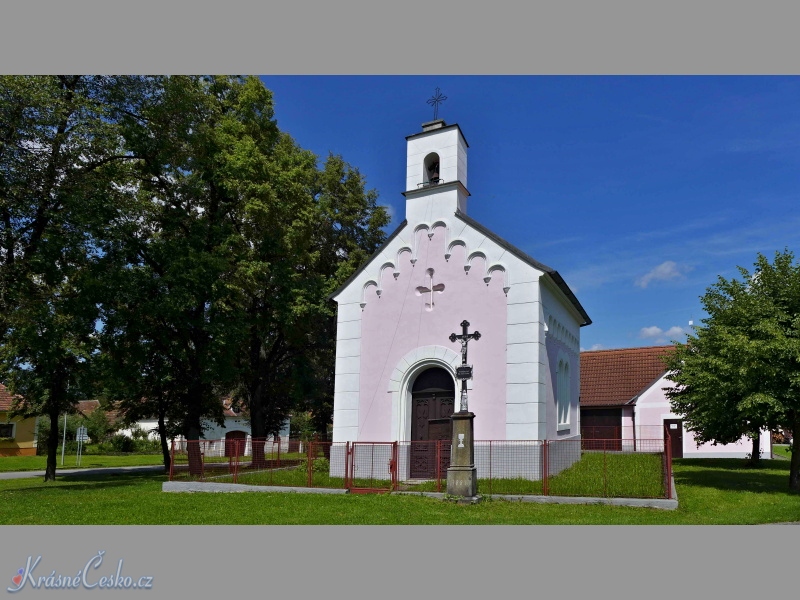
(464,372)
(437,99)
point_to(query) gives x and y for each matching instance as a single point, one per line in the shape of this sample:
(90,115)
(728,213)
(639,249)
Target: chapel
(396,367)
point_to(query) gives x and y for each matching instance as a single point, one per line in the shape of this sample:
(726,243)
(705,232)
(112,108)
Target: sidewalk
(97,471)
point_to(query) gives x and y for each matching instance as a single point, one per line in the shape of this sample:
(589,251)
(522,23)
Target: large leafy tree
(162,231)
(171,330)
(740,371)
(62,171)
(304,231)
(223,265)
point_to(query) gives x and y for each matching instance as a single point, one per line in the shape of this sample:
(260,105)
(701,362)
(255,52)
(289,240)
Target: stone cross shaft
(464,338)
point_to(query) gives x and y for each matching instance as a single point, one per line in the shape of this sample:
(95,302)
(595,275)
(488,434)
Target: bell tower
(436,172)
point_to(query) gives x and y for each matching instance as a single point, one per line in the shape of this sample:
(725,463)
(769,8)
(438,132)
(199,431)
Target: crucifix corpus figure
(464,372)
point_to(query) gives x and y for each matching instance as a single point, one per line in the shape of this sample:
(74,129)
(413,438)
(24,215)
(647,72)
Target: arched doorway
(235,443)
(432,404)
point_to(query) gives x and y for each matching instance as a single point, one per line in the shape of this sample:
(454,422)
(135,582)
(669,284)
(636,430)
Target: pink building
(623,399)
(395,365)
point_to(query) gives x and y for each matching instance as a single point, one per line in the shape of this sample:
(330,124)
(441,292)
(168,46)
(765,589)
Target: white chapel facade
(395,364)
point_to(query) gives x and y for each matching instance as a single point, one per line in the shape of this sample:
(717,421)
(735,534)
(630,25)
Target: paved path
(98,471)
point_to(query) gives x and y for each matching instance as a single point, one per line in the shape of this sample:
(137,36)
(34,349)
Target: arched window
(563,393)
(431,169)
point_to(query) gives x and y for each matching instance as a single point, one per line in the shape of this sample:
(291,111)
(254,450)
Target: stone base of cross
(462,479)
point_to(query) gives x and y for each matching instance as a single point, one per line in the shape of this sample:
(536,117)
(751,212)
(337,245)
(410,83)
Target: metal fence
(525,467)
(255,462)
(626,437)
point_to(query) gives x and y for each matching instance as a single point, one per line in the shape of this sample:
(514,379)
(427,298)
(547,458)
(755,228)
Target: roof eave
(549,271)
(366,263)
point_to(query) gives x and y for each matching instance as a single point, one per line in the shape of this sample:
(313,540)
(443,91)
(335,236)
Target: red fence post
(347,467)
(490,467)
(668,457)
(309,464)
(236,462)
(393,466)
(438,465)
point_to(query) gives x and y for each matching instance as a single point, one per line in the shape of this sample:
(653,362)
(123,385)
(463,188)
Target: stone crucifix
(464,372)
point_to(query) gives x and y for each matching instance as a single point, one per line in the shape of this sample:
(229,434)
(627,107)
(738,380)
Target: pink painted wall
(398,321)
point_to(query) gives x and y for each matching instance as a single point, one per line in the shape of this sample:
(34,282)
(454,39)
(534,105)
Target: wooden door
(674,428)
(601,428)
(430,414)
(231,440)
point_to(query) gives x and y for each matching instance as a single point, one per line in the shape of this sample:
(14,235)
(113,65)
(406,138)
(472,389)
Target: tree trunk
(755,456)
(258,430)
(52,445)
(165,449)
(794,465)
(193,450)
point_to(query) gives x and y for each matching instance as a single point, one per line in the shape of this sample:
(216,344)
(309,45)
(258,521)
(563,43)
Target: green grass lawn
(597,474)
(88,461)
(781,451)
(710,491)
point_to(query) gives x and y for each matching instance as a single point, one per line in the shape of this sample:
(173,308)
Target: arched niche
(431,169)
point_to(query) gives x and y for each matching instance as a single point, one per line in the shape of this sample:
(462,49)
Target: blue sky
(639,190)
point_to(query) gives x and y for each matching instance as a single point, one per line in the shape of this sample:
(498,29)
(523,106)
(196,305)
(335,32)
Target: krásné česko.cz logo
(88,577)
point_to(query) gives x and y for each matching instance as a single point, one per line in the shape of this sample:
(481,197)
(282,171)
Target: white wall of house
(652,408)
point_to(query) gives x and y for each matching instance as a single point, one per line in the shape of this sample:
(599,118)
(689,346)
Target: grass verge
(88,461)
(781,451)
(597,474)
(710,491)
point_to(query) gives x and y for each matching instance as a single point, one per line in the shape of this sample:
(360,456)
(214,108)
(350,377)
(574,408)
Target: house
(235,427)
(17,435)
(623,399)
(395,375)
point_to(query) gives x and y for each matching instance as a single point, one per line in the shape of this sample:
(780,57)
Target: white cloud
(674,332)
(659,336)
(391,211)
(650,332)
(663,272)
(594,347)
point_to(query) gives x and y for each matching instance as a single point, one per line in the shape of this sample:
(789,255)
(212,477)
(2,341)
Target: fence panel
(255,462)
(534,467)
(372,466)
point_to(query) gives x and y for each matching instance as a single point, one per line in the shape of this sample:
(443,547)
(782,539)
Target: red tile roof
(615,377)
(5,398)
(87,407)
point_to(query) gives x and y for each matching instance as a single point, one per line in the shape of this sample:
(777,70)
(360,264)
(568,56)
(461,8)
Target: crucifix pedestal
(462,477)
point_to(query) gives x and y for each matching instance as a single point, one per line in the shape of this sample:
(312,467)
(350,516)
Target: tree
(303,234)
(62,172)
(171,329)
(740,372)
(98,425)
